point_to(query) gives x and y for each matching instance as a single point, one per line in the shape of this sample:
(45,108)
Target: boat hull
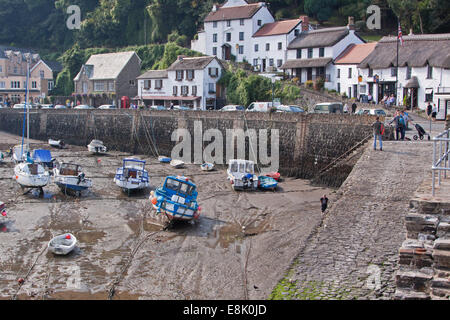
(31,181)
(97,150)
(131,185)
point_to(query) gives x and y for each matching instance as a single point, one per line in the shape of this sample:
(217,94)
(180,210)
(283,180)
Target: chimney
(305,23)
(214,9)
(351,23)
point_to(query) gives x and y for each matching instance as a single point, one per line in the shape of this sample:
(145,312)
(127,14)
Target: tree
(320,9)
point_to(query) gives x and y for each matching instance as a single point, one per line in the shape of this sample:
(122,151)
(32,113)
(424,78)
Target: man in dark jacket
(429,110)
(353,107)
(378,130)
(324,202)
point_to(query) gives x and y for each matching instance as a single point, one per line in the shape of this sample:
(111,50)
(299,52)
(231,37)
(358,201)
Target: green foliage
(64,83)
(320,9)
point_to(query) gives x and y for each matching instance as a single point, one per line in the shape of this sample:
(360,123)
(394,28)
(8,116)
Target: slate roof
(192,63)
(306,63)
(326,37)
(154,74)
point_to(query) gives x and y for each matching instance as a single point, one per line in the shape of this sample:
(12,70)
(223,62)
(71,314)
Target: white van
(261,106)
(328,107)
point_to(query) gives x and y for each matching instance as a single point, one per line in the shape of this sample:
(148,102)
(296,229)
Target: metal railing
(441,151)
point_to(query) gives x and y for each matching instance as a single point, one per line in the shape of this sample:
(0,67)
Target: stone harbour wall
(307,142)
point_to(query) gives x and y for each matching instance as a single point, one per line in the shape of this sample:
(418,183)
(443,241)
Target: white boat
(20,152)
(177,164)
(241,174)
(31,175)
(207,166)
(97,147)
(70,178)
(62,244)
(56,143)
(132,175)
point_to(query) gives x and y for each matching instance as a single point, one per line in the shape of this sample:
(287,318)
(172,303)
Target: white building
(311,55)
(423,73)
(190,82)
(347,74)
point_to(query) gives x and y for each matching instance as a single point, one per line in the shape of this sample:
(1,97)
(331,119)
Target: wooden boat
(241,174)
(177,164)
(164,159)
(267,183)
(62,244)
(70,178)
(132,175)
(56,143)
(207,166)
(97,147)
(177,199)
(274,175)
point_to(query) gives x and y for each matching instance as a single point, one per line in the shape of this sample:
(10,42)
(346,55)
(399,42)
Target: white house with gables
(190,82)
(423,71)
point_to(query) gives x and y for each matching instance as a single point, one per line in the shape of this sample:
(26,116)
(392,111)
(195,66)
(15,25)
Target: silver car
(83,107)
(107,106)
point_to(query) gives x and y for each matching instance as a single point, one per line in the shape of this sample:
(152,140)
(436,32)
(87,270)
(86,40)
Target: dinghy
(164,159)
(132,175)
(31,175)
(177,164)
(97,147)
(62,244)
(207,166)
(267,183)
(70,178)
(274,175)
(177,199)
(56,143)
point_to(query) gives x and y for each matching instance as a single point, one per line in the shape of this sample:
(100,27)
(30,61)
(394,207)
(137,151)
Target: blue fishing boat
(132,175)
(177,199)
(267,183)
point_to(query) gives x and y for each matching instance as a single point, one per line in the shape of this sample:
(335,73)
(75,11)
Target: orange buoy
(154,201)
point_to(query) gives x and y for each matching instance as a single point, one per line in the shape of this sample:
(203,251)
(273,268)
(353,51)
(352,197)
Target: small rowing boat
(62,244)
(177,164)
(164,159)
(267,183)
(207,166)
(56,143)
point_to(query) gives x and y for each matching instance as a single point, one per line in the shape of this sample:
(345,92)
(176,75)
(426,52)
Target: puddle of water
(90,236)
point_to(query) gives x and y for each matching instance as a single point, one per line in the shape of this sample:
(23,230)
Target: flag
(400,34)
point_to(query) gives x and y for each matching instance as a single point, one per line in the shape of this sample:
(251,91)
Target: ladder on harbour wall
(441,163)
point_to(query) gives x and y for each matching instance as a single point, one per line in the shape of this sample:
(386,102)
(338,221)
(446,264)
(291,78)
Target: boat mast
(26,99)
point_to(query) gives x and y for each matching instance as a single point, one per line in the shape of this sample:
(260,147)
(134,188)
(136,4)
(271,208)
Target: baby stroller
(420,132)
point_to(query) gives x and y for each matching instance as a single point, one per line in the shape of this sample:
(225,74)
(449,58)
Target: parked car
(373,112)
(83,107)
(60,106)
(158,108)
(260,107)
(47,106)
(292,108)
(107,106)
(22,105)
(177,107)
(232,107)
(328,107)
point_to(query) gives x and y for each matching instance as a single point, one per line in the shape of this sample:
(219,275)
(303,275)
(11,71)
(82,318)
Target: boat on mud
(43,157)
(70,178)
(274,175)
(31,175)
(97,147)
(164,159)
(56,143)
(132,175)
(241,174)
(177,164)
(267,183)
(207,166)
(62,244)
(177,199)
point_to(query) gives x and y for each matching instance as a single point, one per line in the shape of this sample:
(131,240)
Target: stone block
(416,280)
(410,295)
(443,230)
(441,258)
(442,244)
(441,283)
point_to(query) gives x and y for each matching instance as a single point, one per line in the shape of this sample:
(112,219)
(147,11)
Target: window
(175,90)
(310,53)
(279,63)
(393,71)
(271,62)
(214,51)
(241,36)
(228,23)
(429,95)
(2,84)
(184,90)
(338,87)
(85,87)
(194,90)
(1,68)
(362,89)
(299,53)
(430,72)
(349,73)
(214,37)
(147,84)
(179,75)
(212,88)
(41,74)
(321,52)
(100,86)
(370,72)
(15,69)
(132,83)
(259,22)
(241,49)
(255,62)
(158,84)
(267,46)
(190,74)
(256,47)
(213,72)
(280,46)
(408,72)
(338,73)
(241,22)
(214,24)
(228,37)
(111,86)
(33,84)
(296,32)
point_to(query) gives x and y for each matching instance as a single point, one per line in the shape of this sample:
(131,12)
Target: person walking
(324,202)
(429,110)
(398,122)
(378,131)
(345,108)
(434,112)
(354,107)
